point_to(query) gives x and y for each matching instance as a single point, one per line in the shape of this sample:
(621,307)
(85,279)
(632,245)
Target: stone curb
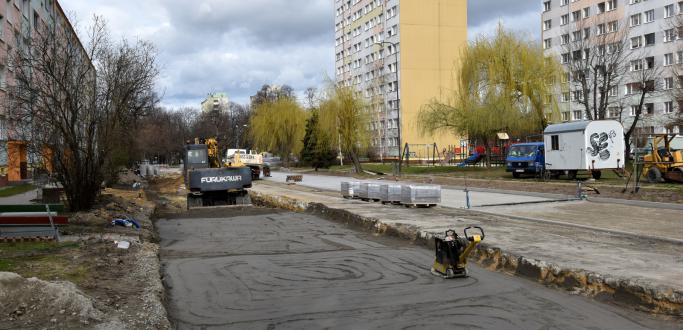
(642,296)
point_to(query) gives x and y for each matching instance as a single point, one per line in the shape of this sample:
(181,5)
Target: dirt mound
(46,304)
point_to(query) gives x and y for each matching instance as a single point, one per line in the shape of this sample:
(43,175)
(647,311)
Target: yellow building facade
(409,45)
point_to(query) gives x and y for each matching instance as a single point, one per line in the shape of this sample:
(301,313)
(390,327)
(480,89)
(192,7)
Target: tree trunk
(356,163)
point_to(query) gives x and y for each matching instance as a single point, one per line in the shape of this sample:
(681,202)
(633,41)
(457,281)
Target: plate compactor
(452,252)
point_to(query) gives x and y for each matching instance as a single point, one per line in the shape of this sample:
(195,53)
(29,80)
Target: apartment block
(399,54)
(18,21)
(646,29)
(216,102)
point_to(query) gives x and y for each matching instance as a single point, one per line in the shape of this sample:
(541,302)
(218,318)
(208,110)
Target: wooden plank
(33,220)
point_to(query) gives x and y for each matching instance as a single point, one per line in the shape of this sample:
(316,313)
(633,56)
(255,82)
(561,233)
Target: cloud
(237,46)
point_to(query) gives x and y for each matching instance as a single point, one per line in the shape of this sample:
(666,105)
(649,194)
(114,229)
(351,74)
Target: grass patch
(16,190)
(44,260)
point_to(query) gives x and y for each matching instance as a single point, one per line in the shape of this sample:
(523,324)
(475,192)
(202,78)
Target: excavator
(663,163)
(211,181)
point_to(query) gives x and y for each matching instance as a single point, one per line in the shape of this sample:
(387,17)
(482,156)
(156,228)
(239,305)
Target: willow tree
(504,84)
(344,122)
(279,127)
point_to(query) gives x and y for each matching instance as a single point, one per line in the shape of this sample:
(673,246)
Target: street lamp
(398,104)
(237,140)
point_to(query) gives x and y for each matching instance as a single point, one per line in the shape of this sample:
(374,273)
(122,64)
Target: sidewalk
(633,269)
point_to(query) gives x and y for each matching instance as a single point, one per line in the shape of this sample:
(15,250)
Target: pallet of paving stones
(369,191)
(413,195)
(349,189)
(390,193)
(420,195)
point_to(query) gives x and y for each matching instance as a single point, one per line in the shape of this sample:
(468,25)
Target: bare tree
(71,102)
(642,82)
(596,54)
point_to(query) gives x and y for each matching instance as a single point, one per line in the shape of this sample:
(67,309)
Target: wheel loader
(210,181)
(663,163)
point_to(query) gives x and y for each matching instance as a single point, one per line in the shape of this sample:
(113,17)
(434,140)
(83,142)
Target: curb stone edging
(642,296)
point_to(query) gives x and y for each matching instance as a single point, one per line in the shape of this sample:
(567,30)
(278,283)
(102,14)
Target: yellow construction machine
(663,163)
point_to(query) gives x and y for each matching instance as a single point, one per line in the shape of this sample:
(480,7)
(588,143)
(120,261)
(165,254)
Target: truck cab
(525,158)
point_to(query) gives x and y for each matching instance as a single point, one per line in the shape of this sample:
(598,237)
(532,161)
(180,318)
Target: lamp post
(398,104)
(237,140)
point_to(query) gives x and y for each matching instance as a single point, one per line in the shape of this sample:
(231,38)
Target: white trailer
(584,146)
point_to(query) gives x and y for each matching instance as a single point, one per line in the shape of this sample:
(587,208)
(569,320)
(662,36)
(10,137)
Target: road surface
(267,269)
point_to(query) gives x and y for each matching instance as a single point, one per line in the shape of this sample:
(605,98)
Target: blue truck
(525,158)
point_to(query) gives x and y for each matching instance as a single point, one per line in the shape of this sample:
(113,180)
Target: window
(564,2)
(648,108)
(555,142)
(668,11)
(578,114)
(650,16)
(611,5)
(577,96)
(613,91)
(565,97)
(564,19)
(565,58)
(634,110)
(601,29)
(668,83)
(669,35)
(679,57)
(565,116)
(547,25)
(680,7)
(547,43)
(635,19)
(601,8)
(668,107)
(613,112)
(586,33)
(649,62)
(576,35)
(576,15)
(632,88)
(586,12)
(636,65)
(612,26)
(633,2)
(565,39)
(649,39)
(668,59)
(546,6)
(636,42)
(565,77)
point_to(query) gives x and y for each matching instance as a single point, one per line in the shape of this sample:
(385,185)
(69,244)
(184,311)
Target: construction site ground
(84,280)
(624,254)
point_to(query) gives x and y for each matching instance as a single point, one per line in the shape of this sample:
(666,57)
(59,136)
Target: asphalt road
(266,269)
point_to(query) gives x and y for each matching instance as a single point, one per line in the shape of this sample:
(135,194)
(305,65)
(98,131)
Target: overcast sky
(236,46)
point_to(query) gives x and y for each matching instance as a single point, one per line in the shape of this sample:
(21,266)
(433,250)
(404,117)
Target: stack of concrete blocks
(350,189)
(369,191)
(390,193)
(420,195)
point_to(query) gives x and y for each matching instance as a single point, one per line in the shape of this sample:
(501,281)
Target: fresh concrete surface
(619,260)
(260,268)
(449,197)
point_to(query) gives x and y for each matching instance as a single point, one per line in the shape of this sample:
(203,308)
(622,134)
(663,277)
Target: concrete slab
(296,271)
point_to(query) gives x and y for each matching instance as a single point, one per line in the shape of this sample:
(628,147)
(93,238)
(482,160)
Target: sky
(236,46)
